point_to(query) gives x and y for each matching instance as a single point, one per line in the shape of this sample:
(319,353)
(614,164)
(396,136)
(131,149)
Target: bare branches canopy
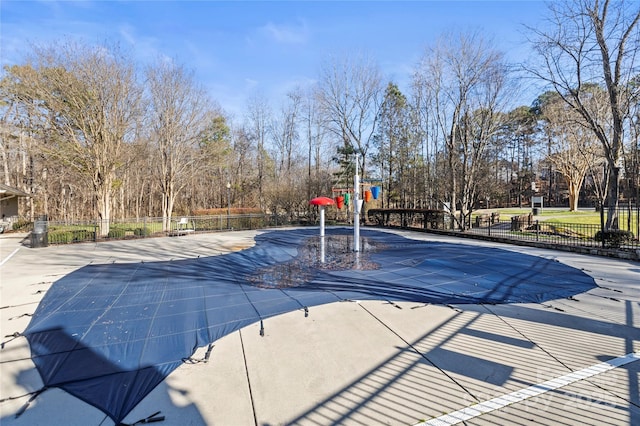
(91,134)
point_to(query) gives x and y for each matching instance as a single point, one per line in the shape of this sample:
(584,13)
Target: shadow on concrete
(441,265)
(398,386)
(54,349)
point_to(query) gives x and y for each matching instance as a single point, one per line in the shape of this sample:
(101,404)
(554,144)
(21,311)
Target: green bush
(116,233)
(142,232)
(22,225)
(210,224)
(614,237)
(80,235)
(70,236)
(60,237)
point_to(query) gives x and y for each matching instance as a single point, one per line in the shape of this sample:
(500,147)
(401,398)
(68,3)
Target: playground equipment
(370,192)
(321,202)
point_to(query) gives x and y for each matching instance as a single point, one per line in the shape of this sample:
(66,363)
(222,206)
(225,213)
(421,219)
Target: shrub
(614,237)
(60,237)
(223,211)
(116,233)
(70,236)
(22,225)
(80,235)
(142,232)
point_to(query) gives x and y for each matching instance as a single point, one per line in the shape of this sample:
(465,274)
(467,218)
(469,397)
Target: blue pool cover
(109,334)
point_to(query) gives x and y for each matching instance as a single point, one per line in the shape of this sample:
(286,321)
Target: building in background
(9,197)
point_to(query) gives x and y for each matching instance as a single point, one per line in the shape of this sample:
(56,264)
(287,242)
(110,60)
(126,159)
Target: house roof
(6,190)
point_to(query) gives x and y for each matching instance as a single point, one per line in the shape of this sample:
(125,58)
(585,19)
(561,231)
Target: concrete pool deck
(567,361)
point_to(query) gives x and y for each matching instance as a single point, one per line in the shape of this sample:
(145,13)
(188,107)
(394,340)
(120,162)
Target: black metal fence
(520,228)
(567,234)
(65,232)
(526,227)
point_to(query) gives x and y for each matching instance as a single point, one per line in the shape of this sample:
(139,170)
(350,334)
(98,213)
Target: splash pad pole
(322,221)
(356,208)
(321,202)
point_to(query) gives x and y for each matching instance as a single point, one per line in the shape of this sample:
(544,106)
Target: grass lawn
(558,215)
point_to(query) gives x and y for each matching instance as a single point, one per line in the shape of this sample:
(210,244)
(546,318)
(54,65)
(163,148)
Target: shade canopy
(322,201)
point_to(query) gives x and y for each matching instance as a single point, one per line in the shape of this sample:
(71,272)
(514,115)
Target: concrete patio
(567,361)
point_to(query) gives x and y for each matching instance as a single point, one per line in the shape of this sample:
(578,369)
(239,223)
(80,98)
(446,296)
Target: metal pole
(356,208)
(228,202)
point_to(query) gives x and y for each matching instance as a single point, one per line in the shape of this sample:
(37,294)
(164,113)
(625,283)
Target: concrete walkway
(569,361)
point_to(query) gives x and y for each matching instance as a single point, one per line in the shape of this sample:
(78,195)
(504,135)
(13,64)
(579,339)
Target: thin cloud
(286,34)
(250,84)
(145,47)
(127,34)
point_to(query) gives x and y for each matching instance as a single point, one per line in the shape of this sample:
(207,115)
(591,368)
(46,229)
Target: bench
(482,220)
(183,227)
(521,222)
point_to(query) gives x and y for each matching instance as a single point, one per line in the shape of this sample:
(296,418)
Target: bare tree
(468,82)
(90,97)
(572,149)
(258,119)
(317,148)
(391,142)
(216,149)
(593,42)
(350,91)
(7,138)
(20,139)
(516,146)
(179,113)
(425,119)
(285,132)
(241,163)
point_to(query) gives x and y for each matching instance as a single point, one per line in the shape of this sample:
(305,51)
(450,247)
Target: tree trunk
(574,191)
(612,197)
(103,204)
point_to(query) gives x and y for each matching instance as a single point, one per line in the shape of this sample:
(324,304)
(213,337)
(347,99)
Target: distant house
(9,204)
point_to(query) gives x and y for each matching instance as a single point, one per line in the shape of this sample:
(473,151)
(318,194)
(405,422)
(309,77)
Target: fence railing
(72,232)
(517,228)
(567,234)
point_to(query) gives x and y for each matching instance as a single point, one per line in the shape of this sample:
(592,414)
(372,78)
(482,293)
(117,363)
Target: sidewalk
(357,363)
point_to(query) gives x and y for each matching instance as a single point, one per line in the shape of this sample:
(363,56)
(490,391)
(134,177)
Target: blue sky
(240,48)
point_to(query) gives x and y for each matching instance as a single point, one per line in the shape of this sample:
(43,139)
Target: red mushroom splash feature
(322,202)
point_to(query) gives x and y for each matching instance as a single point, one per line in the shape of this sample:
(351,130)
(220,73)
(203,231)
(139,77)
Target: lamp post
(228,202)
